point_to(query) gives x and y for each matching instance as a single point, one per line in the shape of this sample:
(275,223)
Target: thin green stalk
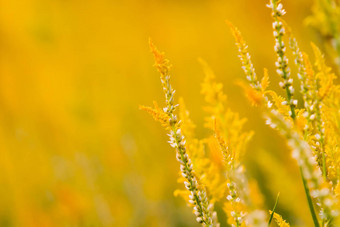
(283,64)
(280,52)
(272,214)
(309,199)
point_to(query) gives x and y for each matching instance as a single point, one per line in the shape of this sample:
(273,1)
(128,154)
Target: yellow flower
(157,114)
(232,141)
(202,207)
(244,56)
(161,63)
(213,95)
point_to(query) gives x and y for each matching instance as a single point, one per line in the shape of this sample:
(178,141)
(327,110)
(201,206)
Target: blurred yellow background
(75,150)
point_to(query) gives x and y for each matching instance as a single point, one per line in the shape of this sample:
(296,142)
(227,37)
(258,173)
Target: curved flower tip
(236,32)
(161,63)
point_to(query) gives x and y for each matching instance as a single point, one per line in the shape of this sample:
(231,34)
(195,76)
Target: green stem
(309,199)
(272,215)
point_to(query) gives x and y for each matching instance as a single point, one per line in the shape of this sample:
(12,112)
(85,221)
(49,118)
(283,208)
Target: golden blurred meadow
(76,150)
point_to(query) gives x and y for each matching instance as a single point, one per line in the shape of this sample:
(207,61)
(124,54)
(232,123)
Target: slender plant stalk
(309,200)
(272,215)
(283,70)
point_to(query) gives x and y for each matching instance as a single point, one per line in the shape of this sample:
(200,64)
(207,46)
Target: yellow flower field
(251,130)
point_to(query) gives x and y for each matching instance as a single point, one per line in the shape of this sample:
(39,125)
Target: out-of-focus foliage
(75,148)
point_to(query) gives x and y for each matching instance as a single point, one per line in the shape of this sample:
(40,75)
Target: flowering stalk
(309,93)
(317,186)
(238,189)
(313,106)
(232,142)
(236,213)
(301,65)
(312,102)
(236,207)
(245,57)
(283,70)
(198,195)
(280,49)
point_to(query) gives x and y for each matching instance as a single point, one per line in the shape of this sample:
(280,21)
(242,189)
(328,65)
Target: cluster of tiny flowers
(282,61)
(301,151)
(277,9)
(312,103)
(298,58)
(248,67)
(299,62)
(233,175)
(311,109)
(245,58)
(309,92)
(198,197)
(228,156)
(239,195)
(235,200)
(237,185)
(316,183)
(169,95)
(319,137)
(313,116)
